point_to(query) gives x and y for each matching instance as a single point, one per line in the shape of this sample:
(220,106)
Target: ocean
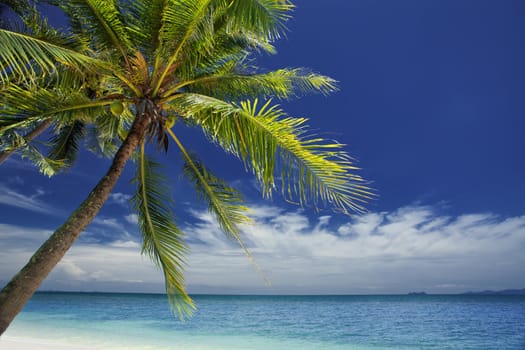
(144,321)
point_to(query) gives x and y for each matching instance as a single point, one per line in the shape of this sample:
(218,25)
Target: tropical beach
(262,174)
(7,343)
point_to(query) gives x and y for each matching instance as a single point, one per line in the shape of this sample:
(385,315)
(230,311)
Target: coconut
(116,108)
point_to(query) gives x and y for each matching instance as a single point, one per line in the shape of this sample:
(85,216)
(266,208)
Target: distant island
(484,292)
(498,292)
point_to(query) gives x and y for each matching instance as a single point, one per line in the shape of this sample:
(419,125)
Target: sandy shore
(10,343)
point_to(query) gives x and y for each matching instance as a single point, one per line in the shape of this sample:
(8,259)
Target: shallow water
(143,321)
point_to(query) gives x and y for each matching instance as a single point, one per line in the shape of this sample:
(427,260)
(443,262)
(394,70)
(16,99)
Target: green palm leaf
(144,20)
(45,165)
(163,242)
(264,18)
(20,53)
(39,28)
(192,31)
(65,144)
(101,21)
(282,83)
(223,201)
(311,169)
(183,21)
(23,107)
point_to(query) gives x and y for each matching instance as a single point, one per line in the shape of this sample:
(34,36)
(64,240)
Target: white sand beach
(11,343)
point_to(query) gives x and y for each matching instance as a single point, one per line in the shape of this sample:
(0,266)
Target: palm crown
(127,72)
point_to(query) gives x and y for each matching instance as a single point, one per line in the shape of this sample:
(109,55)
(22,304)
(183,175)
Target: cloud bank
(411,249)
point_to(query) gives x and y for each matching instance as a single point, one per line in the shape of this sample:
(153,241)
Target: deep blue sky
(431,97)
(431,104)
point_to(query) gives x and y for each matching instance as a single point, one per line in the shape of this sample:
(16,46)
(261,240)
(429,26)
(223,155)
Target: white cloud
(125,244)
(20,235)
(104,229)
(119,198)
(366,224)
(119,262)
(12,198)
(117,265)
(132,219)
(412,248)
(109,222)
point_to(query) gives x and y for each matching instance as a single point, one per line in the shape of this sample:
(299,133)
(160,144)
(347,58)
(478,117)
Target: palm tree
(63,146)
(158,64)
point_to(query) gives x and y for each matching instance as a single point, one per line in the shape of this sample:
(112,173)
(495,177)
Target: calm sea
(143,321)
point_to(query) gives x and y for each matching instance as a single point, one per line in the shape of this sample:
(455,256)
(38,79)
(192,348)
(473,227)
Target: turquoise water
(143,321)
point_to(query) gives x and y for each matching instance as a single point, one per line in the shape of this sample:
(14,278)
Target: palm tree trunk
(19,290)
(28,137)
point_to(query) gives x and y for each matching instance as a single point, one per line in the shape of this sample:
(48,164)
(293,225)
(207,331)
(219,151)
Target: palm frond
(264,18)
(39,28)
(215,40)
(45,165)
(312,169)
(21,53)
(65,144)
(163,241)
(11,141)
(100,145)
(227,43)
(144,20)
(223,201)
(183,20)
(101,21)
(190,29)
(282,83)
(139,69)
(11,124)
(108,126)
(23,107)
(107,132)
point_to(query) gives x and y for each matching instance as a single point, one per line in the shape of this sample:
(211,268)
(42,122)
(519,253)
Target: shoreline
(16,343)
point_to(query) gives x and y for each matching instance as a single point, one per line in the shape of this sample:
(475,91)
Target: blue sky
(431,105)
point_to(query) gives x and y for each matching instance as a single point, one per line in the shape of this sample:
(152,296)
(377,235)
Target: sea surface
(144,321)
